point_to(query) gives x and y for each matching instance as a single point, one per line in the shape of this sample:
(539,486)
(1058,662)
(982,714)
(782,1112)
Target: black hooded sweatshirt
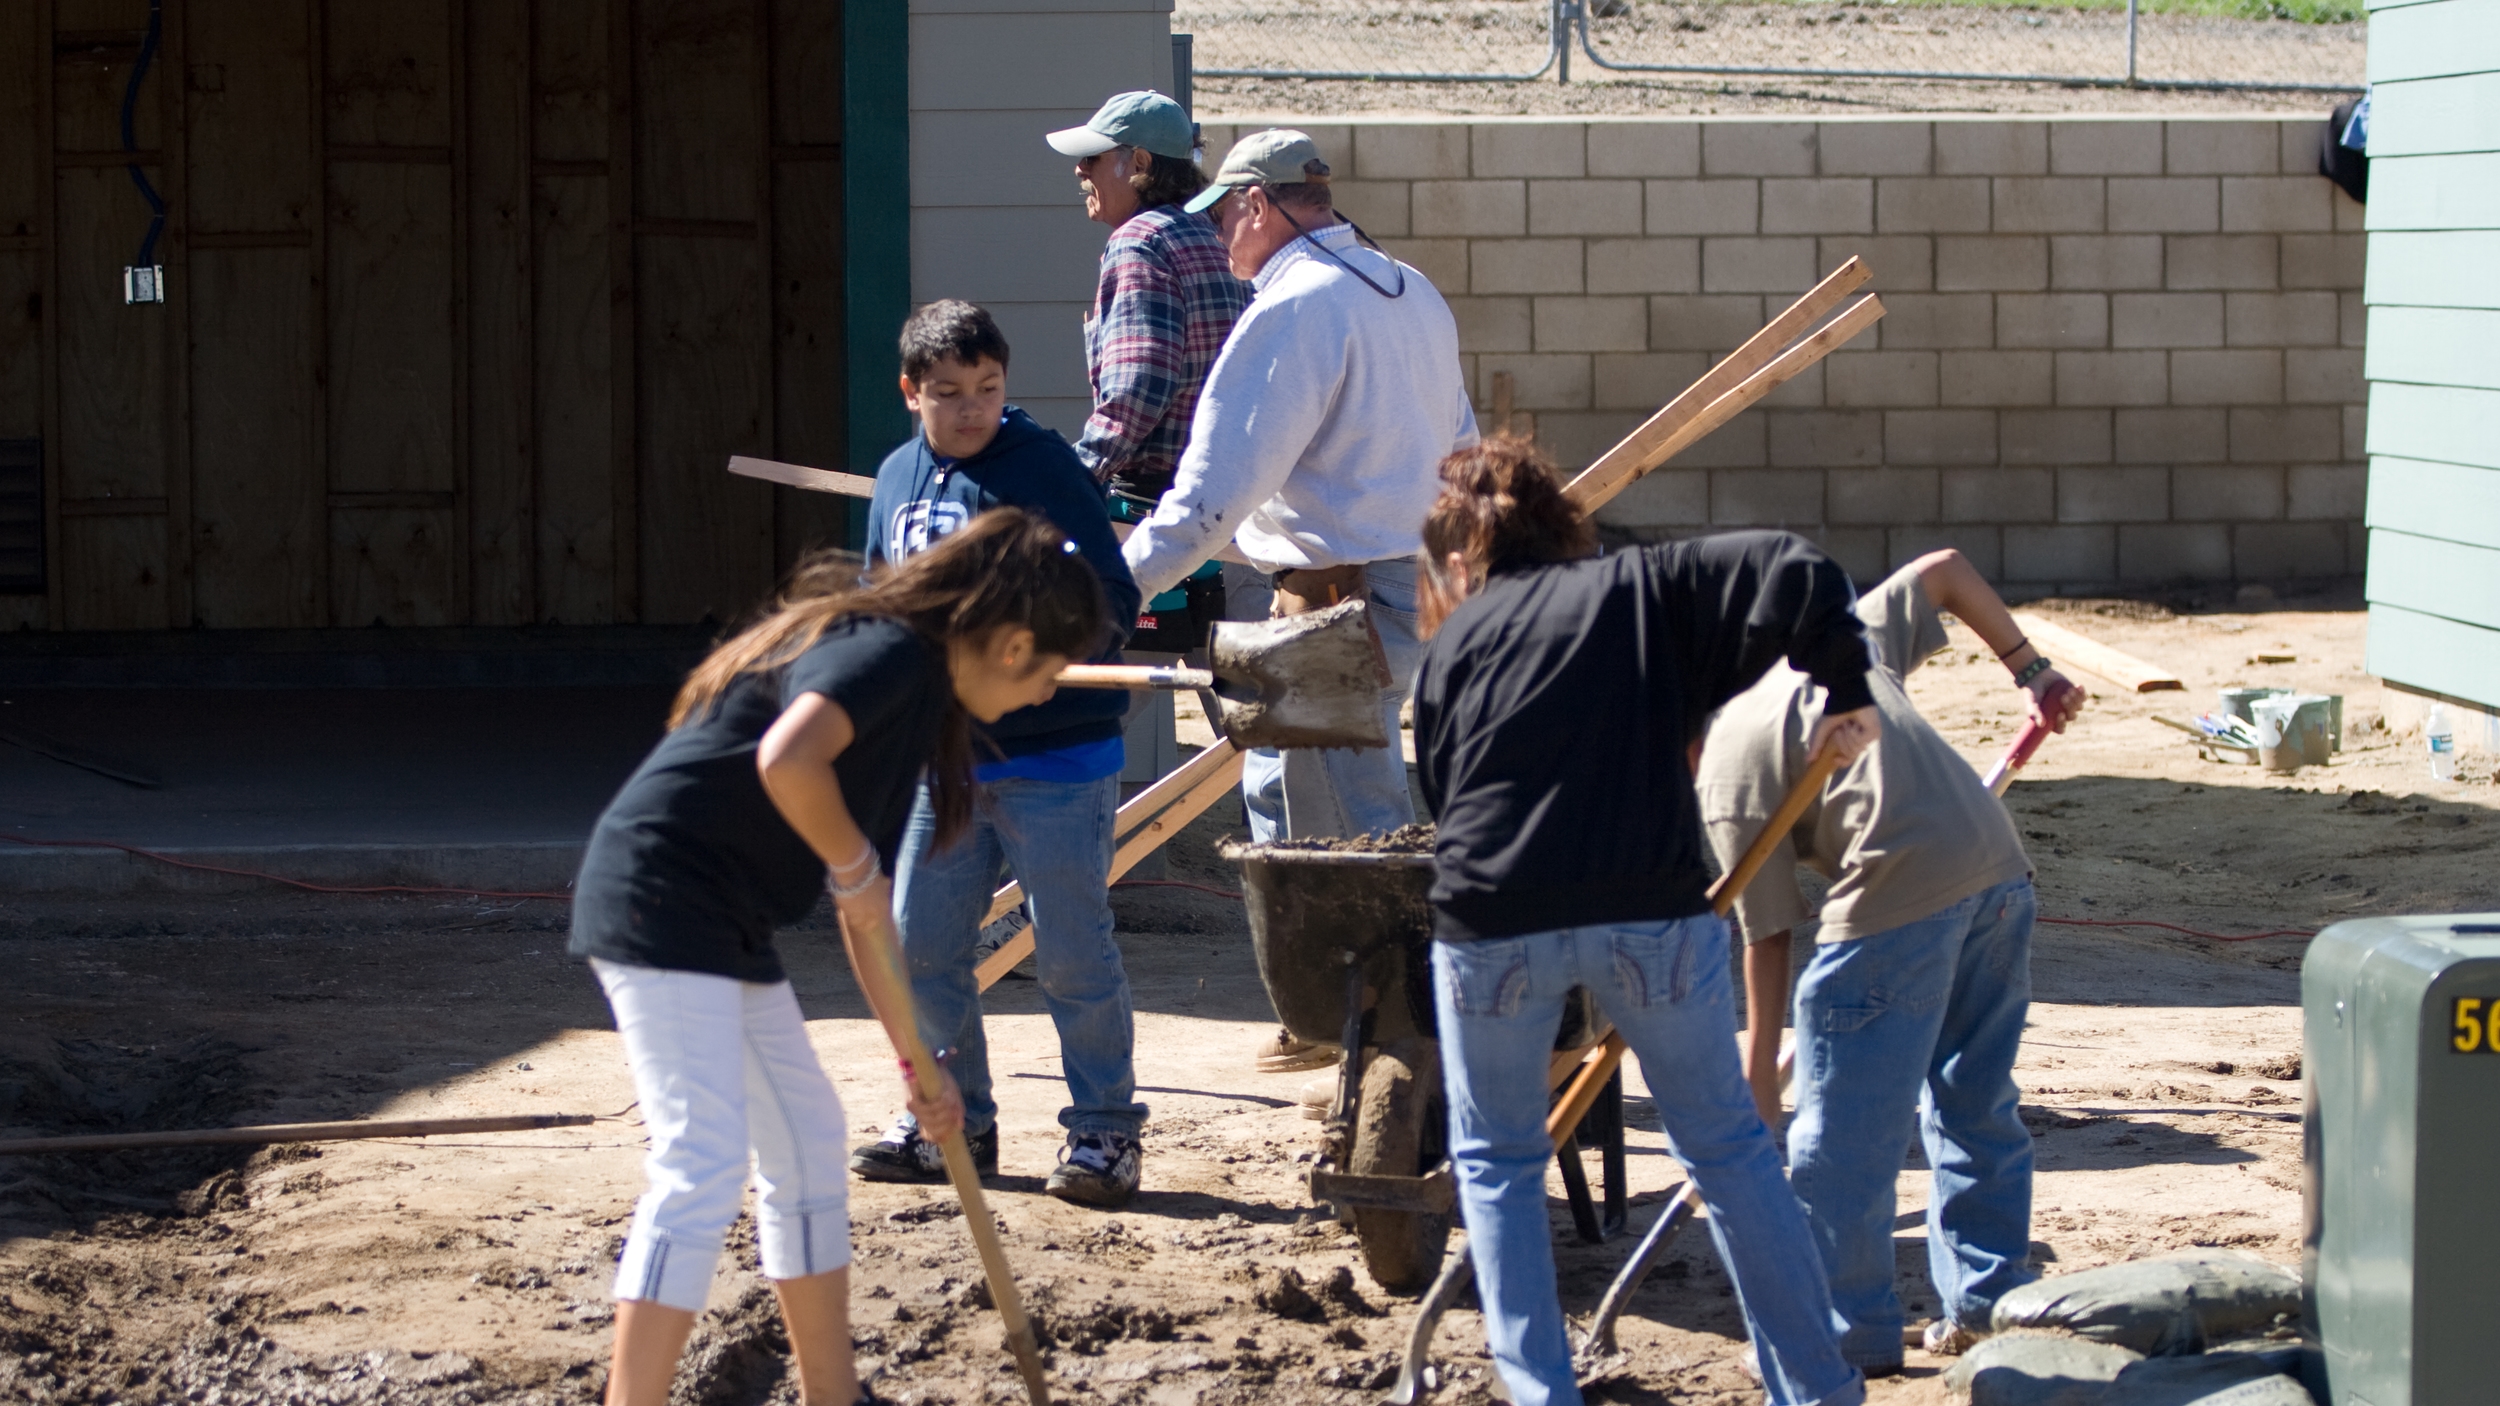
(1554,706)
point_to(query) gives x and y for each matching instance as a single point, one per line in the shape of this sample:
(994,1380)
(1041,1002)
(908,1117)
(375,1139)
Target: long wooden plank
(270,1133)
(2119,667)
(1649,446)
(494,150)
(1859,316)
(1215,782)
(1139,809)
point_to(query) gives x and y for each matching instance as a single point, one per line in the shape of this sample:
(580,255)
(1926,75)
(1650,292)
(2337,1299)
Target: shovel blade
(1310,680)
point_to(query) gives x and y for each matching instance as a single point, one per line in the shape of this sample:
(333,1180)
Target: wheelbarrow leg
(1604,1126)
(1456,1274)
(1576,1190)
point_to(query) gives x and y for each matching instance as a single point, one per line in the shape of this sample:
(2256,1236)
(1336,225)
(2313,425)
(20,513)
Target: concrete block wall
(2116,351)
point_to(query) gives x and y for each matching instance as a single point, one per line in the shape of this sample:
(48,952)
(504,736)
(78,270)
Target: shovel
(1310,680)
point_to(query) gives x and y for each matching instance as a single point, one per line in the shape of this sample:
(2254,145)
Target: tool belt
(1303,589)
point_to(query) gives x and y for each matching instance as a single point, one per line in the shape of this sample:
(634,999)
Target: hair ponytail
(1006,567)
(1501,505)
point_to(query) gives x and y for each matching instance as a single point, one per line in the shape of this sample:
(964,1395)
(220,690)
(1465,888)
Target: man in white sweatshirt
(1315,450)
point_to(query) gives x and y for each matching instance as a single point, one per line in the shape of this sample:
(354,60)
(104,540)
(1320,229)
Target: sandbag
(2037,1369)
(2211,1379)
(2174,1304)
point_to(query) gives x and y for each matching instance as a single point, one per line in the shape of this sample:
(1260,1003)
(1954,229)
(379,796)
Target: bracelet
(867,853)
(2005,654)
(841,890)
(2039,665)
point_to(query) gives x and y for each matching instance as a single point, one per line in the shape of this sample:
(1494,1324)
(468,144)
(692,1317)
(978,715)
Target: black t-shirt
(691,867)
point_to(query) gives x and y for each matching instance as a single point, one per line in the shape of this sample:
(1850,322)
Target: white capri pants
(723,1069)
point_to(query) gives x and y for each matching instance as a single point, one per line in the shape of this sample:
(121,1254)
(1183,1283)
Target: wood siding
(2434,307)
(470,302)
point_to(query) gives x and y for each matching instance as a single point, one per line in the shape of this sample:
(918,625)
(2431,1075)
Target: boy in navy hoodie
(1049,780)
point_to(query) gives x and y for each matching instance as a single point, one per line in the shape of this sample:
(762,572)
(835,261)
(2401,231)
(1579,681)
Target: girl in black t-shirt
(790,763)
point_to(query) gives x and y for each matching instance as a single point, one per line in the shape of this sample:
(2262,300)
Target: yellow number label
(2470,1020)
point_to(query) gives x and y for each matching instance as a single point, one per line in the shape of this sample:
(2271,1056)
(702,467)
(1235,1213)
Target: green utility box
(2401,1035)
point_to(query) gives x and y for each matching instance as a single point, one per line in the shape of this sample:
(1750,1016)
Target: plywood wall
(470,302)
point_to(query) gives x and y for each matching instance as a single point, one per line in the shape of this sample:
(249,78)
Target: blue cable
(130,135)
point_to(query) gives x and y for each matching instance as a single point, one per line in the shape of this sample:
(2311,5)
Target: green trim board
(2451,424)
(2451,580)
(876,225)
(2435,192)
(2434,269)
(2433,654)
(2434,346)
(2420,498)
(2434,116)
(2433,41)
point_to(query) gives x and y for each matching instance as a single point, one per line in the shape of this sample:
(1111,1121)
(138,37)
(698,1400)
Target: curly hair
(1501,504)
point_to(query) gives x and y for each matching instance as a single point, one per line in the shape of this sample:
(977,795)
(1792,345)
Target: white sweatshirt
(1319,438)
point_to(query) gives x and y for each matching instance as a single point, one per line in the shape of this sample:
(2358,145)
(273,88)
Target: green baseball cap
(1146,120)
(1280,157)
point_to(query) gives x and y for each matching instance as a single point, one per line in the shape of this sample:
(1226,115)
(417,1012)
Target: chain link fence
(2189,47)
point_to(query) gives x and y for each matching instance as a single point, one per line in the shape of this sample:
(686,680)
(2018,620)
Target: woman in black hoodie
(1555,712)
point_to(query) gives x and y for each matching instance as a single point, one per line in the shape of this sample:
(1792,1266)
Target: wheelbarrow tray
(1314,911)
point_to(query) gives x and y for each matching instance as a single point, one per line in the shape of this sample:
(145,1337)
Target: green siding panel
(2424,651)
(2451,502)
(2432,116)
(2452,580)
(876,204)
(2434,346)
(2433,41)
(2445,423)
(2439,269)
(2435,192)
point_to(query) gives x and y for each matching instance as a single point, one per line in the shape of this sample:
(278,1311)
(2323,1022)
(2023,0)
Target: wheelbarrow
(1343,940)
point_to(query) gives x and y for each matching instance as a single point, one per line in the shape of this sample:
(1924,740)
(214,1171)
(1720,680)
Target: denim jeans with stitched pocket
(1915,1029)
(1665,986)
(1307,791)
(1054,837)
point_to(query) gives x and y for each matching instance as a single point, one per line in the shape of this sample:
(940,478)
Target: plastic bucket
(2240,702)
(2291,732)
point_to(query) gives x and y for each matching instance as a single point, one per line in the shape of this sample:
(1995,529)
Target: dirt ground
(1506,36)
(2160,1074)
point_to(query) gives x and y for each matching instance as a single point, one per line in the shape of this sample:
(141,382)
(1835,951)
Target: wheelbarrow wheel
(1398,1128)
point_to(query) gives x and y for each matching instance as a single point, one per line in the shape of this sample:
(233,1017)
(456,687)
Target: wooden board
(22,166)
(707,539)
(2075,651)
(809,359)
(569,328)
(111,357)
(21,344)
(568,81)
(390,328)
(389,73)
(112,572)
(391,566)
(501,555)
(87,95)
(698,131)
(259,544)
(250,112)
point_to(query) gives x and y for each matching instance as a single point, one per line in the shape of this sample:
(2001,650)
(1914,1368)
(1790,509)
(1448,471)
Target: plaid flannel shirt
(1166,301)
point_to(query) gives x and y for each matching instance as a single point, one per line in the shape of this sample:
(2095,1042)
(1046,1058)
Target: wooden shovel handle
(1602,1061)
(1134,676)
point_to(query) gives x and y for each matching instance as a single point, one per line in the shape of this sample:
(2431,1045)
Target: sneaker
(1283,1054)
(1317,1096)
(1097,1169)
(904,1155)
(1946,1338)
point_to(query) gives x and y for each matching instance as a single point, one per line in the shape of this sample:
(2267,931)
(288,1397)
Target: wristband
(841,890)
(2039,665)
(2005,654)
(867,854)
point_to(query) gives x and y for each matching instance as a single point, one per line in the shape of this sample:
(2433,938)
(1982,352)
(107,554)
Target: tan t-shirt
(1906,830)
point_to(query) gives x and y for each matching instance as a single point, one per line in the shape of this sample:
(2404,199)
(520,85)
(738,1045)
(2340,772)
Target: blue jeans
(1916,1028)
(1665,986)
(1344,790)
(1055,837)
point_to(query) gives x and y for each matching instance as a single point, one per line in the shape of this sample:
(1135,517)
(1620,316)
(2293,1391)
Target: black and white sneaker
(904,1155)
(1097,1169)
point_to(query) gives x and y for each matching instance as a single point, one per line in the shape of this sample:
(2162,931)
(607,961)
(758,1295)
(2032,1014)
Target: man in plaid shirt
(1166,299)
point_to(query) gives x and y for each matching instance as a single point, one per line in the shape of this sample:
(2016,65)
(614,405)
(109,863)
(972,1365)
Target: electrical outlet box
(2401,1255)
(143,285)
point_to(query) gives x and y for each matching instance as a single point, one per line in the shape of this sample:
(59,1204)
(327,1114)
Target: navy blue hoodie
(1030,467)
